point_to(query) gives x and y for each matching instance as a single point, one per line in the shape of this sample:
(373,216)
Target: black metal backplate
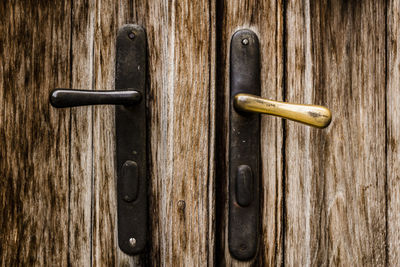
(131,141)
(244,148)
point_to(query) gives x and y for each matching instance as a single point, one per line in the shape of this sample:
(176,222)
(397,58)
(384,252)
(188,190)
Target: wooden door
(328,197)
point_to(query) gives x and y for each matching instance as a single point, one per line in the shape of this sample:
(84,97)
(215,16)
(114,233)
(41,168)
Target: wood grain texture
(81,136)
(180,146)
(335,178)
(329,197)
(104,233)
(393,133)
(265,19)
(181,88)
(34,139)
(73,175)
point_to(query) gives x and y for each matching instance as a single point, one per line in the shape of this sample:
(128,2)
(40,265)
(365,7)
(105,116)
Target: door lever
(312,115)
(244,140)
(63,98)
(130,134)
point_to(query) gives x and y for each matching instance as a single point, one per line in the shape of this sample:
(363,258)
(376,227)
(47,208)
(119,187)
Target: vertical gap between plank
(220,143)
(283,149)
(92,193)
(211,142)
(277,224)
(93,77)
(386,138)
(70,134)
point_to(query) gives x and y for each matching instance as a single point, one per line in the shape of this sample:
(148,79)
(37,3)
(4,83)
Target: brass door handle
(245,105)
(313,115)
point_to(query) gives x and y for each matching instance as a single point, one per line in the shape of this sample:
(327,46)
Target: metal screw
(245,41)
(131,35)
(132,242)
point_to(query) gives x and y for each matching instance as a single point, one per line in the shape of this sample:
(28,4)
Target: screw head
(132,242)
(245,41)
(181,205)
(131,35)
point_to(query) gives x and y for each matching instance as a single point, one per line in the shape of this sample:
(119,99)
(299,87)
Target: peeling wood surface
(329,197)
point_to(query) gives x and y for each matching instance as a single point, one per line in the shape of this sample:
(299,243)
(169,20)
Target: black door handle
(64,98)
(130,134)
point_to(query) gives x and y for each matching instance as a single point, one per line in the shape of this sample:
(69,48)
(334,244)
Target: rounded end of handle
(55,99)
(322,116)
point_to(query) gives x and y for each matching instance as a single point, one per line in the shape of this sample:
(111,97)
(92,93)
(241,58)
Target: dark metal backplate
(131,140)
(244,147)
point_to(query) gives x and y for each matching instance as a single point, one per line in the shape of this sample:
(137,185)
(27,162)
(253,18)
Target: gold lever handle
(313,115)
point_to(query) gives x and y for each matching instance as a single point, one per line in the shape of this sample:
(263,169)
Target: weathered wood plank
(335,178)
(81,141)
(265,18)
(181,88)
(393,133)
(104,233)
(34,138)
